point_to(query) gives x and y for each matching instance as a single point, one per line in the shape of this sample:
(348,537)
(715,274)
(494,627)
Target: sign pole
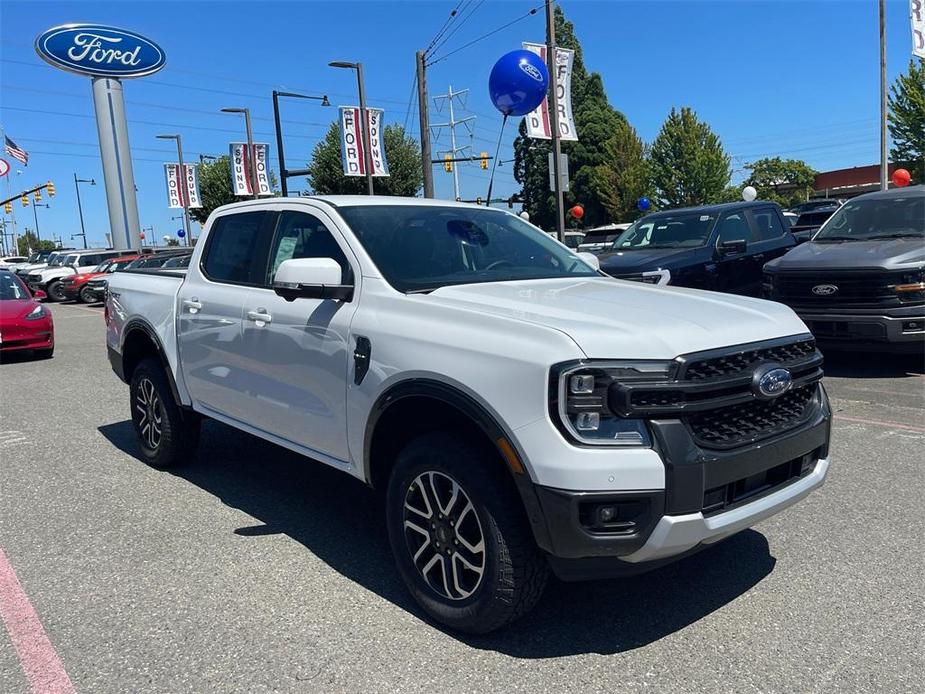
(551,63)
(183,190)
(116,158)
(884,161)
(364,130)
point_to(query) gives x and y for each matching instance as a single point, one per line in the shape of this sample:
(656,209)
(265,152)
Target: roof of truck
(356,200)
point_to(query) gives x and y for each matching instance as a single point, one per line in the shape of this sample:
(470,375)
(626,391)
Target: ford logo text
(99,51)
(824,289)
(771,381)
(532,71)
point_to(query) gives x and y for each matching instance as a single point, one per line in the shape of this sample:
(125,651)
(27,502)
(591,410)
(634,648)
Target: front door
(733,269)
(298,351)
(210,308)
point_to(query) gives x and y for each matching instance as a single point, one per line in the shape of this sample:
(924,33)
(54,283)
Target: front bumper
(866,330)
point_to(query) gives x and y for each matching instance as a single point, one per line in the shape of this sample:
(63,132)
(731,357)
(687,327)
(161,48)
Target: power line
(484,36)
(458,25)
(445,25)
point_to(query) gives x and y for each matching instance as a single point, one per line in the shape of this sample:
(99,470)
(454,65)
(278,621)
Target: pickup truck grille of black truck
(714,394)
(853,288)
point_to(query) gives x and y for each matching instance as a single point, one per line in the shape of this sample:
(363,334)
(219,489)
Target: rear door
(298,353)
(771,240)
(210,306)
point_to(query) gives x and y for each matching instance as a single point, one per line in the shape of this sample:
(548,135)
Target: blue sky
(795,79)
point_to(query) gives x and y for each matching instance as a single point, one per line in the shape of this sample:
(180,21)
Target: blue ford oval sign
(101,51)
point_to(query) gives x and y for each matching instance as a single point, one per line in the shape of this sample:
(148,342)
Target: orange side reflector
(510,455)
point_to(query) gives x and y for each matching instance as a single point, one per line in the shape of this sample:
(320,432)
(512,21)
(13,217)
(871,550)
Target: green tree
(907,120)
(596,121)
(215,187)
(29,240)
(784,181)
(688,163)
(623,178)
(326,171)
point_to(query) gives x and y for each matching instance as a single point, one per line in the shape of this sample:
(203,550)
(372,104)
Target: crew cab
(716,247)
(860,282)
(50,279)
(519,410)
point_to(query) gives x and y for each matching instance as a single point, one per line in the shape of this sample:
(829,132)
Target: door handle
(192,304)
(259,316)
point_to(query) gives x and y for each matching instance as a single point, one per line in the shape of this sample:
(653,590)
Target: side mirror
(311,278)
(38,295)
(590,259)
(735,247)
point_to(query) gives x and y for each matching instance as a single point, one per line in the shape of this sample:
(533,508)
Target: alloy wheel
(150,414)
(444,536)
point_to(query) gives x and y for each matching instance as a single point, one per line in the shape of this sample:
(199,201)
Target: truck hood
(620,319)
(886,254)
(642,260)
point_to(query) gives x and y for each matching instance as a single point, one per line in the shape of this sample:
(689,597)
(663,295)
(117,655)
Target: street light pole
(80,211)
(249,156)
(35,216)
(285,173)
(181,183)
(884,161)
(364,122)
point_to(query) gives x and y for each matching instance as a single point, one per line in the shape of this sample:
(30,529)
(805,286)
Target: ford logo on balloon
(517,83)
(100,51)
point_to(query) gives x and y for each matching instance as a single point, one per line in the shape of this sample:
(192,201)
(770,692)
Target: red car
(24,322)
(75,286)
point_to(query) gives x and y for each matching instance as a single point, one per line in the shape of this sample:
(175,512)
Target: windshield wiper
(897,235)
(837,238)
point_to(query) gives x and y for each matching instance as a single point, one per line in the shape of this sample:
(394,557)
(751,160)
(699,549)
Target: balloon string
(494,162)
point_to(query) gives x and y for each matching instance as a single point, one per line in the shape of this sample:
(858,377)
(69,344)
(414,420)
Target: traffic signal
(478,201)
(447,163)
(8,208)
(51,189)
(24,200)
(38,196)
(483,160)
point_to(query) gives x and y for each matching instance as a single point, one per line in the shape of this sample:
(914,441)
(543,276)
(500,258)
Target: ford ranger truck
(520,411)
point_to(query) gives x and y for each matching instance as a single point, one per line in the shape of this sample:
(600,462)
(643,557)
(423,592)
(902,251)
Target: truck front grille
(739,361)
(854,289)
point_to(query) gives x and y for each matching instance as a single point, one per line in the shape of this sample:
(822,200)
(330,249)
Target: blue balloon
(643,204)
(181,233)
(518,83)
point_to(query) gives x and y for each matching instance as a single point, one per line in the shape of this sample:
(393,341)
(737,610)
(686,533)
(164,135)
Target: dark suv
(717,247)
(860,283)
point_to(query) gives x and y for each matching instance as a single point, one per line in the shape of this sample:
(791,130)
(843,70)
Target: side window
(734,227)
(301,235)
(767,224)
(88,261)
(236,252)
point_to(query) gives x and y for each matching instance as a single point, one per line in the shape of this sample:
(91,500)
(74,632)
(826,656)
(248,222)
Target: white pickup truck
(519,410)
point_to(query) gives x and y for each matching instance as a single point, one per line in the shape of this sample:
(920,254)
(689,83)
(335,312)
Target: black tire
(84,296)
(55,291)
(45,353)
(514,570)
(167,436)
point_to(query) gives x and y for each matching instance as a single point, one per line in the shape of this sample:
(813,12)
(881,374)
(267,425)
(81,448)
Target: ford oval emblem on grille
(770,381)
(824,289)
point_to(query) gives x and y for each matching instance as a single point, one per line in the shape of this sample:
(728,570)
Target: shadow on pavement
(339,520)
(872,364)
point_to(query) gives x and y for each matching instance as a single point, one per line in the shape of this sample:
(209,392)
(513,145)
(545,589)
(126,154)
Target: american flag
(15,151)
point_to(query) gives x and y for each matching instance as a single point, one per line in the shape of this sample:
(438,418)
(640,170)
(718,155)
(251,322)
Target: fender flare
(145,327)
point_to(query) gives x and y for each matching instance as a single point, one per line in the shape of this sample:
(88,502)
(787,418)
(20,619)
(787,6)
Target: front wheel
(167,436)
(459,535)
(85,296)
(55,291)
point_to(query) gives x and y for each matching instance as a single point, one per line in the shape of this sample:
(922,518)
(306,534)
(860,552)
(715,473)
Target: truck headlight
(911,288)
(579,400)
(660,277)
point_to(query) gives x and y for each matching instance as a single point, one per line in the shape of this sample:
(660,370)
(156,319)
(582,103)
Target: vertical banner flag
(917,17)
(351,142)
(177,192)
(240,165)
(538,121)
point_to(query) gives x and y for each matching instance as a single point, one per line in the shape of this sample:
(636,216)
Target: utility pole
(451,124)
(884,162)
(551,64)
(425,127)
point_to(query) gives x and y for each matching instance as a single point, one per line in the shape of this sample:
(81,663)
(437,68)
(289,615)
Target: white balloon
(525,216)
(749,193)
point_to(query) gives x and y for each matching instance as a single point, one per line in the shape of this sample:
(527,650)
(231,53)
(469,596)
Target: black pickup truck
(860,283)
(717,247)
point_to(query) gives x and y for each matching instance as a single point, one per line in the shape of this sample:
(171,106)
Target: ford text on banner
(174,196)
(240,166)
(917,17)
(351,142)
(538,120)
(177,194)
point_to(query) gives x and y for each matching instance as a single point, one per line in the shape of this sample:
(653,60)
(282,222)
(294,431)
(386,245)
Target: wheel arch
(141,341)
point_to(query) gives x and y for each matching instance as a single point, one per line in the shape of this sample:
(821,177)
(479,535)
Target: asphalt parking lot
(252,570)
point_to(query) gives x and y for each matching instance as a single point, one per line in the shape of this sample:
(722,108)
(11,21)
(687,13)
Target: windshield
(102,267)
(71,259)
(878,217)
(667,231)
(34,258)
(11,288)
(55,259)
(118,265)
(422,248)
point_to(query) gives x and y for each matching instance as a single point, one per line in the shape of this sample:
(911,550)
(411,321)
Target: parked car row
(857,283)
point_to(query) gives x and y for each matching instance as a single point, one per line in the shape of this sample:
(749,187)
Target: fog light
(581,384)
(606,514)
(911,326)
(588,421)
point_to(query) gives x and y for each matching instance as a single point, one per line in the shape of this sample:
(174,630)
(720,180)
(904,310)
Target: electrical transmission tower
(454,151)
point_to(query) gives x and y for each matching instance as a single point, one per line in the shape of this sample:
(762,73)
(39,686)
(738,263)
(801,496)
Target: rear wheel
(459,535)
(55,291)
(167,436)
(85,296)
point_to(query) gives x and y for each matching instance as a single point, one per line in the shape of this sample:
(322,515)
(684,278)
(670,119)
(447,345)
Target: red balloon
(141,235)
(901,178)
(577,212)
